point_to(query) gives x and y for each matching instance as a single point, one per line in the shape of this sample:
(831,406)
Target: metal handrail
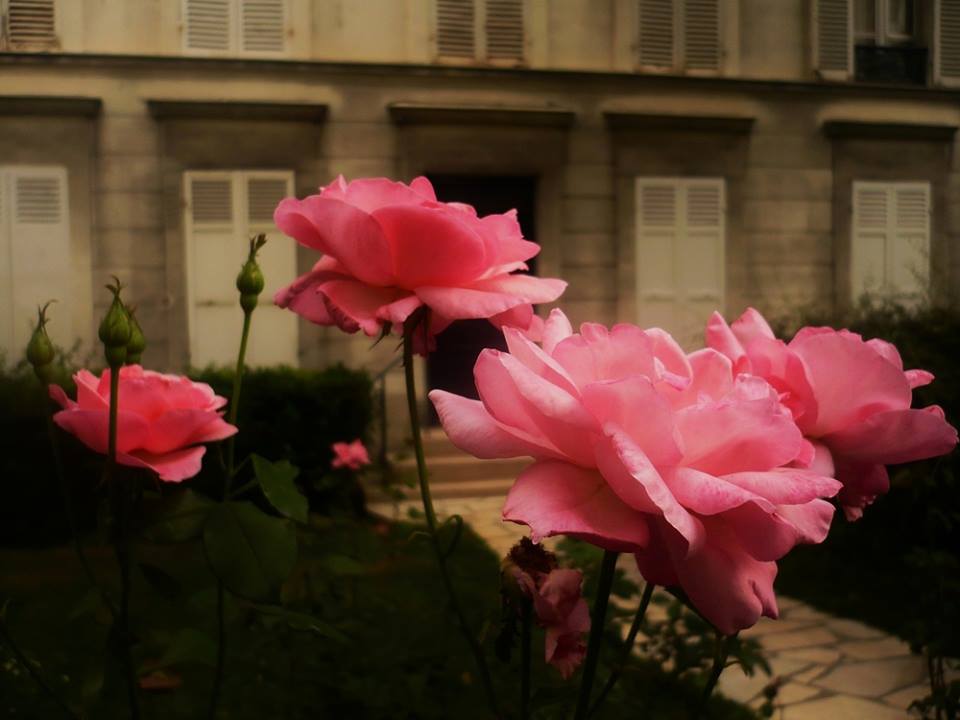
(381,378)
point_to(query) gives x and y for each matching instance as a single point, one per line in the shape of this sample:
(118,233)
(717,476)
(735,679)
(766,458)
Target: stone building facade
(677,155)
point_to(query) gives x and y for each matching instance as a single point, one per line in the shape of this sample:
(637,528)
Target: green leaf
(251,552)
(165,585)
(277,482)
(302,621)
(177,517)
(337,564)
(189,646)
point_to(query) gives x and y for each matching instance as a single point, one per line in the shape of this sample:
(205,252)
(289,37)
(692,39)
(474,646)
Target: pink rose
(560,608)
(350,455)
(850,397)
(641,448)
(161,419)
(389,248)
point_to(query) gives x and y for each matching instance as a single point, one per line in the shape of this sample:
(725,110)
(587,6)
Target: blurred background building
(671,156)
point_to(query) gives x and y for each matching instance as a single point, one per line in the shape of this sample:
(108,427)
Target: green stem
(68,510)
(720,655)
(419,319)
(526,626)
(33,671)
(122,495)
(597,620)
(627,647)
(227,485)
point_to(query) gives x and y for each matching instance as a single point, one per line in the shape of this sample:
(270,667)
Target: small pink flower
(161,421)
(641,448)
(390,248)
(849,396)
(561,610)
(350,455)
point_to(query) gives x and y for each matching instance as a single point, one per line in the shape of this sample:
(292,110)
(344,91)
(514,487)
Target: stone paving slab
(828,668)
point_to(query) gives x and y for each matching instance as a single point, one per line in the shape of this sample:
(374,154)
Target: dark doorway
(450,366)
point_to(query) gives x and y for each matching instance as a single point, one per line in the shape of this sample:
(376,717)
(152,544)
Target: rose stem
(409,328)
(719,663)
(605,582)
(33,671)
(627,647)
(526,621)
(68,506)
(122,496)
(227,484)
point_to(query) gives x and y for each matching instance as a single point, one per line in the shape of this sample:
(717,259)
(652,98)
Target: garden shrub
(285,413)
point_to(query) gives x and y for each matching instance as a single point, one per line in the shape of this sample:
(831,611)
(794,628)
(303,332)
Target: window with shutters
(27,25)
(905,42)
(222,211)
(890,240)
(35,263)
(489,31)
(680,255)
(680,36)
(235,27)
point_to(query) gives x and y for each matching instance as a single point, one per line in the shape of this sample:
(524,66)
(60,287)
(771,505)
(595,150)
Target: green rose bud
(137,342)
(40,350)
(250,279)
(114,329)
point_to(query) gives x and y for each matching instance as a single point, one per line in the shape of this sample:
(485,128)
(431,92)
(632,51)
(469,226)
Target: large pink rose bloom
(161,419)
(389,248)
(641,448)
(851,398)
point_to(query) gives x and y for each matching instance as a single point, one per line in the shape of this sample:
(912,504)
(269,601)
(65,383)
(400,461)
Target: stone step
(436,442)
(462,468)
(496,487)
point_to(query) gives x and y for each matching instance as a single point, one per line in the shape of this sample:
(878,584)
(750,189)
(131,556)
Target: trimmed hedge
(284,413)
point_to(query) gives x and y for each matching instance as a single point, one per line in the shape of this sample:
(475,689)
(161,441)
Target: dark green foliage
(296,415)
(284,414)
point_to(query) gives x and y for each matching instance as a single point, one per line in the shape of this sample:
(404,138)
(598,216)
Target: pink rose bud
(350,455)
(161,420)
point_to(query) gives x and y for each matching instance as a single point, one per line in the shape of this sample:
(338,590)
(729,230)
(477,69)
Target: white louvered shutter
(503,28)
(274,339)
(208,25)
(832,36)
(214,254)
(701,35)
(456,29)
(262,26)
(656,37)
(947,43)
(31,24)
(890,240)
(223,210)
(680,254)
(37,219)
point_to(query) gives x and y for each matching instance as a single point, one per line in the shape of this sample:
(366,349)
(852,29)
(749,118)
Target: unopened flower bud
(114,329)
(40,350)
(137,342)
(250,280)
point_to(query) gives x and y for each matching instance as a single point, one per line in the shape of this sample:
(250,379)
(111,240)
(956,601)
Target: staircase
(455,474)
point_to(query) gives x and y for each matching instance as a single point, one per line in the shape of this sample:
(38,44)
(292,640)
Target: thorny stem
(719,663)
(597,619)
(227,485)
(420,320)
(627,647)
(526,623)
(122,495)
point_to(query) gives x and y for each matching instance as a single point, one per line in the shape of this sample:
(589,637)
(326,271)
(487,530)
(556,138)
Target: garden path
(828,668)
